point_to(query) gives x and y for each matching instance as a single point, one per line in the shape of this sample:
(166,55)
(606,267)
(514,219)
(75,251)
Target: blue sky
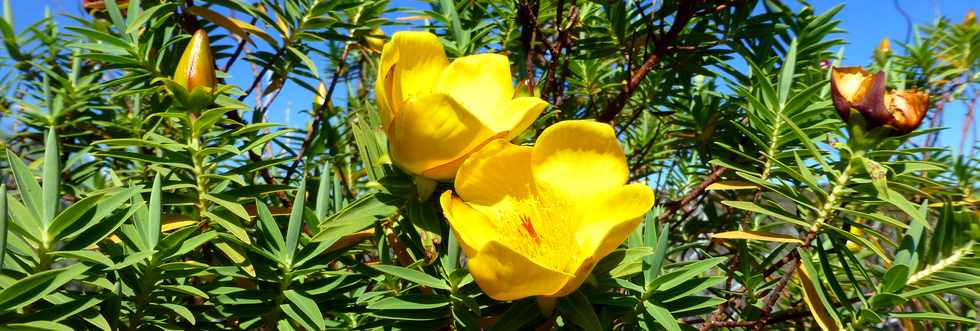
(866,22)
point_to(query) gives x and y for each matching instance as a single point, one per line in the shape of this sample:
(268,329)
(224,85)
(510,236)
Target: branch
(674,206)
(684,14)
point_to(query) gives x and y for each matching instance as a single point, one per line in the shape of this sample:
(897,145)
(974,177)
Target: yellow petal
(500,170)
(414,66)
(472,228)
(383,86)
(433,131)
(517,115)
(504,274)
(481,83)
(575,160)
(612,218)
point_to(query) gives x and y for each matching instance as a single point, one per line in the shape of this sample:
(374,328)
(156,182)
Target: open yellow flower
(534,221)
(436,112)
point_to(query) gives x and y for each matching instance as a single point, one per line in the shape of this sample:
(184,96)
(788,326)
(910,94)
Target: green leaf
(412,276)
(295,222)
(51,178)
(786,74)
(519,315)
(751,206)
(3,223)
(38,325)
(270,228)
(894,280)
(30,191)
(153,227)
(662,316)
(576,309)
(184,289)
(72,214)
(682,274)
(308,308)
(939,288)
(34,287)
(356,216)
(184,313)
(87,256)
(929,316)
(306,61)
(410,301)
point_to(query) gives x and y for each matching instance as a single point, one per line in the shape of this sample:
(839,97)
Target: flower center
(542,231)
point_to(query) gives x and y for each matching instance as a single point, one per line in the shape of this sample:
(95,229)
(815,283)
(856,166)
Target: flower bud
(856,88)
(970,19)
(196,66)
(885,46)
(907,109)
(321,95)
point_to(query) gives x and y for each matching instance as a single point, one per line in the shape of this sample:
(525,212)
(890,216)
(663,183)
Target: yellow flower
(196,66)
(970,19)
(534,221)
(437,113)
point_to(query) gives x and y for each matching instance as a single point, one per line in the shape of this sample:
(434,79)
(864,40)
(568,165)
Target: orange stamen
(526,222)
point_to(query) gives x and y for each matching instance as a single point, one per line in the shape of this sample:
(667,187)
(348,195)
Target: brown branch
(674,206)
(526,17)
(684,14)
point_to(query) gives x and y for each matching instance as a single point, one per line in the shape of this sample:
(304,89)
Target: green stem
(825,212)
(273,315)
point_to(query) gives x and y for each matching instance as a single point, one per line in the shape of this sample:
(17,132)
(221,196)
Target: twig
(684,14)
(673,207)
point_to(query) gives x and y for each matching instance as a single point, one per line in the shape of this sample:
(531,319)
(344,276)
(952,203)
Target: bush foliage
(138,194)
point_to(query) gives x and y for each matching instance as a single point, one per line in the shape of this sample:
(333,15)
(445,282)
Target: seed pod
(907,109)
(196,66)
(856,88)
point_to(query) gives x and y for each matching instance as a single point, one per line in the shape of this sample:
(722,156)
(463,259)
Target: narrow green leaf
(72,214)
(577,309)
(270,229)
(786,74)
(3,223)
(309,309)
(30,191)
(34,287)
(51,178)
(184,313)
(662,316)
(153,228)
(414,276)
(295,222)
(929,316)
(410,301)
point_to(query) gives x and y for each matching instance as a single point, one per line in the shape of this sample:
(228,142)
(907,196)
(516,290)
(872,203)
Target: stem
(835,192)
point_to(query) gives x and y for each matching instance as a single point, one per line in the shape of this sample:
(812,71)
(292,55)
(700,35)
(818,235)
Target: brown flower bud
(196,67)
(856,88)
(907,109)
(971,18)
(885,46)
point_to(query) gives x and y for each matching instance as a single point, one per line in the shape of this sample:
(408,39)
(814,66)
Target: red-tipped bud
(196,67)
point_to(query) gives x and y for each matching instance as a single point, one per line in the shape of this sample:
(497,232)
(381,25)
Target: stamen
(526,222)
